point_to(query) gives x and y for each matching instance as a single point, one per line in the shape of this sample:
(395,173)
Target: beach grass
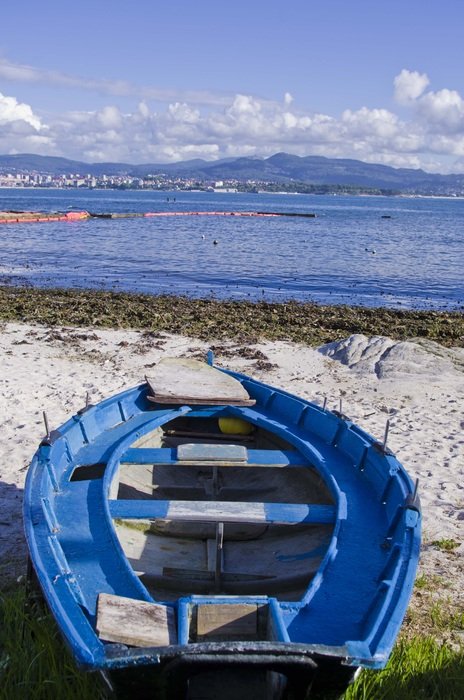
(35,665)
(446,544)
(213,319)
(420,668)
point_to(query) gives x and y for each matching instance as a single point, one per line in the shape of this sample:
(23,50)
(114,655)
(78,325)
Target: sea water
(372,251)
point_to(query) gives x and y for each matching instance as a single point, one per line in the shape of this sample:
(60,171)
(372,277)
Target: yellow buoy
(234,426)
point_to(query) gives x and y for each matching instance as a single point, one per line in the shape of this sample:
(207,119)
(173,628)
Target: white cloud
(429,133)
(21,131)
(110,118)
(13,111)
(409,85)
(118,88)
(369,123)
(143,110)
(247,126)
(244,104)
(444,109)
(436,113)
(181,112)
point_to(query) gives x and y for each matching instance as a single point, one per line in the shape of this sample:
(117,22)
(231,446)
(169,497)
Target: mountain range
(280,168)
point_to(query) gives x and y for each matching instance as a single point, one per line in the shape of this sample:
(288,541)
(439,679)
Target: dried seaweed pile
(211,319)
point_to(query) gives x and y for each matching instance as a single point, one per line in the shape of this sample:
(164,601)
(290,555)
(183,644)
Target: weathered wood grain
(229,619)
(191,452)
(135,622)
(179,380)
(225,511)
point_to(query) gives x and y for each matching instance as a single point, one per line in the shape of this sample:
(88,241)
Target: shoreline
(390,195)
(212,319)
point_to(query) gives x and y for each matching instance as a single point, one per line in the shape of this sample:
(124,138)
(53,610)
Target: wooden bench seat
(165,456)
(224,511)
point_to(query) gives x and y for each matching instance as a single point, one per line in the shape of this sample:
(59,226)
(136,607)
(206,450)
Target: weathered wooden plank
(135,622)
(166,456)
(194,400)
(228,620)
(191,452)
(224,511)
(180,380)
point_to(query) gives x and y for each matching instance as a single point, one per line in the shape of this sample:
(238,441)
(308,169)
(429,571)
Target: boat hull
(294,551)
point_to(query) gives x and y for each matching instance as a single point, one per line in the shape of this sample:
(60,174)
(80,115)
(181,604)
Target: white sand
(419,387)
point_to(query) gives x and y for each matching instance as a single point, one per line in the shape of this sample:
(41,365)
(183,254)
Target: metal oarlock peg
(385,437)
(86,406)
(50,435)
(47,428)
(413,500)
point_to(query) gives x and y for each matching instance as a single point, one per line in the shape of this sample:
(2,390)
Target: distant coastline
(277,173)
(399,195)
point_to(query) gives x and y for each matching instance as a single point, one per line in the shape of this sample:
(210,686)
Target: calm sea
(372,251)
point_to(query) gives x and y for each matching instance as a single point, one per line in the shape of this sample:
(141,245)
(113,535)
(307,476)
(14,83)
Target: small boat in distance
(206,521)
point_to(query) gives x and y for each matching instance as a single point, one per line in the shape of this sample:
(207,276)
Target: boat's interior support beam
(167,456)
(224,511)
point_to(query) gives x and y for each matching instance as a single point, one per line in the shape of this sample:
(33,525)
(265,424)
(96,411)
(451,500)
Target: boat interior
(234,525)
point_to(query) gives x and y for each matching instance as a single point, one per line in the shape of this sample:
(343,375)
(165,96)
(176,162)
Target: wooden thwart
(179,380)
(181,457)
(224,511)
(135,622)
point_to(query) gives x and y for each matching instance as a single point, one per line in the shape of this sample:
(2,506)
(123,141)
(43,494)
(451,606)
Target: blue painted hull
(349,612)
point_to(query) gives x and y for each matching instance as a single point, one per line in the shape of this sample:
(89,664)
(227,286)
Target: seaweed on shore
(212,319)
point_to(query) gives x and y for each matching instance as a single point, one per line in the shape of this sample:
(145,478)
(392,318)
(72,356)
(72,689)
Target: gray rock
(390,359)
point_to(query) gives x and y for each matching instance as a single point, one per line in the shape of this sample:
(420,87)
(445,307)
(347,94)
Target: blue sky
(151,81)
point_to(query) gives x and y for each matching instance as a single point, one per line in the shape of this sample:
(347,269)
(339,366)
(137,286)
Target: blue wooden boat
(181,527)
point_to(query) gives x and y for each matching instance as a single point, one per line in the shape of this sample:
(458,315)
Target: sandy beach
(418,386)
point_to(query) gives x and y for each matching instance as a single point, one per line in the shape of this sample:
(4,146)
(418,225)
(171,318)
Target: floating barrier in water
(117,215)
(306,215)
(19,217)
(23,217)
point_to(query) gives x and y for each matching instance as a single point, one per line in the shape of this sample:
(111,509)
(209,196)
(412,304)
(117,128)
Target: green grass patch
(445,618)
(419,669)
(35,664)
(427,582)
(446,545)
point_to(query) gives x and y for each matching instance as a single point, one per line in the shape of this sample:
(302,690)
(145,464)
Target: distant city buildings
(163,181)
(150,182)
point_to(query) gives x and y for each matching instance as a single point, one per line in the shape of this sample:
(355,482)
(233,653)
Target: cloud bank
(426,131)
